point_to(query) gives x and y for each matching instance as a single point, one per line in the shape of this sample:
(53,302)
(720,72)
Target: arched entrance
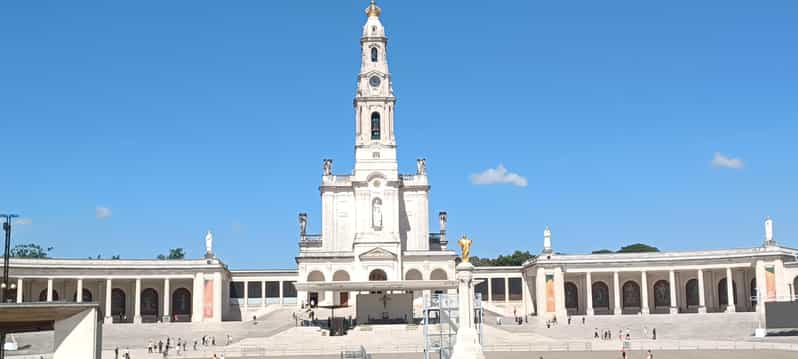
(181,305)
(149,305)
(378,275)
(691,293)
(118,304)
(662,294)
(571,297)
(723,294)
(43,295)
(413,274)
(438,274)
(601,295)
(631,295)
(342,276)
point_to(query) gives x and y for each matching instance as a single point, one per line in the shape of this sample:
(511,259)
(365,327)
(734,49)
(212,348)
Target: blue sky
(131,127)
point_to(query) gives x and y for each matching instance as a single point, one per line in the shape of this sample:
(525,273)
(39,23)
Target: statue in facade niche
(327,167)
(376,214)
(442,217)
(303,224)
(209,243)
(465,247)
(421,166)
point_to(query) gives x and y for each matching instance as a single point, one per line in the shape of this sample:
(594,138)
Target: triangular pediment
(377,253)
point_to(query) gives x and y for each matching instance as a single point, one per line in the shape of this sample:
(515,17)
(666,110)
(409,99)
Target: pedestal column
(490,289)
(730,307)
(644,293)
(49,289)
(702,303)
(79,291)
(506,289)
(672,285)
(616,293)
(467,344)
(137,302)
(167,295)
(246,297)
(589,293)
(109,319)
(19,290)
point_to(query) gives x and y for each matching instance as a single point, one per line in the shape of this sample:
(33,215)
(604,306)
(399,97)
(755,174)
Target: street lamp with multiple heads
(5,286)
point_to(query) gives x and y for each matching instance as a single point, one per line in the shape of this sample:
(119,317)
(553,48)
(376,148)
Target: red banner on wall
(208,298)
(770,281)
(550,304)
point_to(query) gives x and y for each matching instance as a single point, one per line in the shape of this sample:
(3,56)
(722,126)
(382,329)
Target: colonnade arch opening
(438,274)
(601,295)
(662,294)
(85,297)
(315,297)
(118,303)
(691,292)
(571,297)
(149,305)
(631,295)
(378,275)
(413,274)
(181,305)
(723,294)
(43,295)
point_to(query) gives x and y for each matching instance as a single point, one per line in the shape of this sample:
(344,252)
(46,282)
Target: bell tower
(375,143)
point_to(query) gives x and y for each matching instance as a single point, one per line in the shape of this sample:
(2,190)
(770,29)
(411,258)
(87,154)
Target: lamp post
(5,286)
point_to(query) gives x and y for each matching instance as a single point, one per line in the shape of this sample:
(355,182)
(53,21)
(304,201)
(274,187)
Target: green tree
(30,251)
(638,248)
(602,251)
(174,253)
(516,259)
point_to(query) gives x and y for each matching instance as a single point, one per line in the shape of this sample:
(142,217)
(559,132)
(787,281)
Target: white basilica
(377,255)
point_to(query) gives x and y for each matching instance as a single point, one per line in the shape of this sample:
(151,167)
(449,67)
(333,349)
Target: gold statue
(465,247)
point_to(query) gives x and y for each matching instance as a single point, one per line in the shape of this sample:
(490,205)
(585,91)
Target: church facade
(377,253)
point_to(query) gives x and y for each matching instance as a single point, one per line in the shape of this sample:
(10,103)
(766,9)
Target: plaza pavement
(275,335)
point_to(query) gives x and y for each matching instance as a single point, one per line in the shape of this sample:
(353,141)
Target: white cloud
(102,212)
(498,175)
(23,221)
(723,161)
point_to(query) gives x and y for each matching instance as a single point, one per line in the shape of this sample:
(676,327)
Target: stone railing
(310,241)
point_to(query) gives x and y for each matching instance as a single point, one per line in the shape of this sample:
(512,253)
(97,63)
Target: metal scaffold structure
(441,323)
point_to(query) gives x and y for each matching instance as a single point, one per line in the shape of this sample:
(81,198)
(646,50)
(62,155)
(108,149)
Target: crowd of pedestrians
(164,347)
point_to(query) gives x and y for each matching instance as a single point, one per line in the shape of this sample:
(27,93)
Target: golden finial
(465,247)
(373,10)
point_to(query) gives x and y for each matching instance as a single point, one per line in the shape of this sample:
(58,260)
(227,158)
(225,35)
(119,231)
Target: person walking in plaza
(650,355)
(654,334)
(116,352)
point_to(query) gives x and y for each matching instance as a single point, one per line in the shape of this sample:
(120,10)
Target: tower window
(375,125)
(373,54)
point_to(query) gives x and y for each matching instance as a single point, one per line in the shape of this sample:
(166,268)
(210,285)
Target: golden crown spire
(373,9)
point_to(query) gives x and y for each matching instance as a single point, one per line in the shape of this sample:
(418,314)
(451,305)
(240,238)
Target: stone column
(589,293)
(263,294)
(672,285)
(49,289)
(246,297)
(702,303)
(19,290)
(79,291)
(506,289)
(525,297)
(730,307)
(617,293)
(198,310)
(167,296)
(282,298)
(137,302)
(109,319)
(644,293)
(490,289)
